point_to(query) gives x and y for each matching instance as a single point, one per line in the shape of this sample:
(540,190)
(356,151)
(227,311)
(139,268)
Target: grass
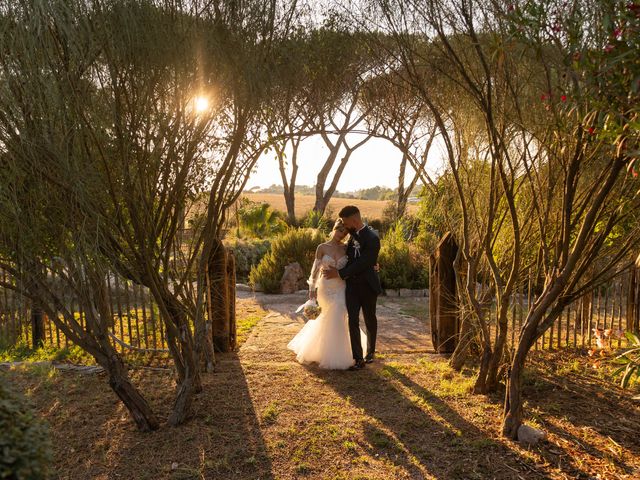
(408,415)
(248,314)
(22,352)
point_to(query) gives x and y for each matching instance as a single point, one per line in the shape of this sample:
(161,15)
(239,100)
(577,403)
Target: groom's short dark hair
(349,211)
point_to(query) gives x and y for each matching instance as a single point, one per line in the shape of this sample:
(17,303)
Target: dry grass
(407,416)
(371,209)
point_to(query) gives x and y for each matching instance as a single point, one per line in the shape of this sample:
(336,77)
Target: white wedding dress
(325,340)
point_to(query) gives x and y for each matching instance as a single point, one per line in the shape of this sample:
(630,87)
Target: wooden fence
(136,320)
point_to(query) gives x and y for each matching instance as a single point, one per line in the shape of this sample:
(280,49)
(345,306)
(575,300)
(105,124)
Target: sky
(376,163)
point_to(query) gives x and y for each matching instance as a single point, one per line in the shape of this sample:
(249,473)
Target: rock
(291,278)
(391,293)
(530,436)
(241,287)
(405,292)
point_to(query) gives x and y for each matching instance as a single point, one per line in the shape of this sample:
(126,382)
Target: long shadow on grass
(221,440)
(428,430)
(589,405)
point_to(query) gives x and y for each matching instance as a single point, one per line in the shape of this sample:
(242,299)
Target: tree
(544,178)
(399,116)
(116,131)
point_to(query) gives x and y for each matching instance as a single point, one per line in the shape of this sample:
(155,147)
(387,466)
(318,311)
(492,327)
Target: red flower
(510,8)
(617,32)
(543,97)
(592,131)
(563,98)
(609,48)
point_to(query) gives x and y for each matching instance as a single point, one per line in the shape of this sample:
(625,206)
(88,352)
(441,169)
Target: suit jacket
(360,268)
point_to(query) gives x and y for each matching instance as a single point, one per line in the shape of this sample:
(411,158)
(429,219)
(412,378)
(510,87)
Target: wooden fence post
(222,296)
(37,326)
(443,305)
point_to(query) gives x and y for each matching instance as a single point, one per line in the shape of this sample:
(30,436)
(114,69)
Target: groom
(363,283)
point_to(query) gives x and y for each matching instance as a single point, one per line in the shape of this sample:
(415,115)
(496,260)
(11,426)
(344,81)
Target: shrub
(260,220)
(323,222)
(248,254)
(402,265)
(315,219)
(25,451)
(295,245)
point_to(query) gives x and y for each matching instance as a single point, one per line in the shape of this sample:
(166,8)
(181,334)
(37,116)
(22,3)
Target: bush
(402,265)
(248,254)
(323,222)
(296,245)
(260,220)
(25,451)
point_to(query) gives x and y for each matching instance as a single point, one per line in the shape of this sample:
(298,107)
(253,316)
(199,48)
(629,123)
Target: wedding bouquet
(310,309)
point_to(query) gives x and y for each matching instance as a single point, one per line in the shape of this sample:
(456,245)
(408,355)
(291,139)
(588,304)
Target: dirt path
(398,332)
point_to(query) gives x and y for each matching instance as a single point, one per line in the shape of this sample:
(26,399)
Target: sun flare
(201,104)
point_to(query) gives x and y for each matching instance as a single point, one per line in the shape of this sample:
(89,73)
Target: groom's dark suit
(363,288)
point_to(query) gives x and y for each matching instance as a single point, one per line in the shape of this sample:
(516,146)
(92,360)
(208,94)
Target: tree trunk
(290,201)
(184,397)
(231,298)
(465,339)
(138,407)
(633,300)
(183,351)
(513,398)
(498,350)
(482,379)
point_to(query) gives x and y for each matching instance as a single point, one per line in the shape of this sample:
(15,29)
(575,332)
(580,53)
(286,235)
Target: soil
(406,416)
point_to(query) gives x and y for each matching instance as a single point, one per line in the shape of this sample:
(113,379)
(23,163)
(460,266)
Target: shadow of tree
(95,438)
(565,396)
(421,433)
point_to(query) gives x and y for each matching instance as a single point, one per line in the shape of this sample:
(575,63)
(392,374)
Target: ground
(263,416)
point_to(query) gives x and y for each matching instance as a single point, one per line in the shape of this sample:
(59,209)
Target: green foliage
(25,451)
(22,352)
(315,219)
(402,264)
(295,245)
(629,361)
(248,253)
(260,220)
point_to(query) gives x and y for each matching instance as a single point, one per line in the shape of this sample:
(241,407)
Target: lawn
(407,416)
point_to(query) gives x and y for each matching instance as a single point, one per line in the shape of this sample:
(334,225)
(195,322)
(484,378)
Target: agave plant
(629,361)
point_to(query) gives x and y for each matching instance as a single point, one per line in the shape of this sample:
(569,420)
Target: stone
(291,278)
(405,292)
(530,436)
(391,293)
(241,287)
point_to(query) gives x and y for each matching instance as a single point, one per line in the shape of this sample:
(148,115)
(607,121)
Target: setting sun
(201,104)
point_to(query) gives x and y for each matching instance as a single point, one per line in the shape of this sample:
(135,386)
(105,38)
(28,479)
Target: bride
(325,340)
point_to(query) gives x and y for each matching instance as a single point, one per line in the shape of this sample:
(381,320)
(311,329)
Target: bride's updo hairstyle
(339,224)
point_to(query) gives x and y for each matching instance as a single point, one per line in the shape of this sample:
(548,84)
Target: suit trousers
(360,296)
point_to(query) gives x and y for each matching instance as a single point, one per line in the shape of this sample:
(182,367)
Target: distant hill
(372,193)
